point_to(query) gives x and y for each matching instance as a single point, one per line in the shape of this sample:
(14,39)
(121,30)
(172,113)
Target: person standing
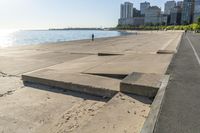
(92,37)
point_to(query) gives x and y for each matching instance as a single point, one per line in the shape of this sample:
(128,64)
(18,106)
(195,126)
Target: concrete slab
(171,46)
(19,60)
(81,64)
(22,64)
(122,114)
(29,110)
(126,64)
(96,85)
(142,84)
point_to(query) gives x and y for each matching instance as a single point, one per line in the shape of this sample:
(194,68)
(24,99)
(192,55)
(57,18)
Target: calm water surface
(27,37)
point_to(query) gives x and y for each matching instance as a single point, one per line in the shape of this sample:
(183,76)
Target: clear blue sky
(43,14)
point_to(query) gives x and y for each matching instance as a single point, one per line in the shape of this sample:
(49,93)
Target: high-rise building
(143,6)
(175,15)
(163,19)
(126,10)
(122,11)
(136,13)
(130,15)
(180,4)
(168,6)
(188,12)
(153,15)
(196,10)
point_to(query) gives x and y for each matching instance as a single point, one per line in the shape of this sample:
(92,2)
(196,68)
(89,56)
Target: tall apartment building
(130,15)
(136,13)
(126,10)
(196,10)
(143,6)
(168,6)
(153,15)
(188,12)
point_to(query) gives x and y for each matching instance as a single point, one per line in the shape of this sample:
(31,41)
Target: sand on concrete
(122,114)
(29,110)
(39,109)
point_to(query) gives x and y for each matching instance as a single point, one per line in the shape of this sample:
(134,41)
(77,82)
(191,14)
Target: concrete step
(166,52)
(142,84)
(91,84)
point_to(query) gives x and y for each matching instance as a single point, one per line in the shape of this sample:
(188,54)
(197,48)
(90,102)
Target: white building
(153,15)
(126,10)
(143,6)
(168,6)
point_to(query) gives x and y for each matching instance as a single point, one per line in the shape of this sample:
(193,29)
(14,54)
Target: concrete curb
(142,84)
(179,43)
(83,88)
(151,121)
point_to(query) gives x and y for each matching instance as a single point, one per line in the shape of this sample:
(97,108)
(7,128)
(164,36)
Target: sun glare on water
(6,38)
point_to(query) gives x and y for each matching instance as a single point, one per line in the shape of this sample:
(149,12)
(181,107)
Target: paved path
(180,112)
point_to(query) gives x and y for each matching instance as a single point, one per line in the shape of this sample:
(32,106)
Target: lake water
(27,37)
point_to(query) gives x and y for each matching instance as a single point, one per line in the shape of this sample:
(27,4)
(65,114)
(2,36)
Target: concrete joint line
(154,113)
(194,50)
(167,44)
(7,75)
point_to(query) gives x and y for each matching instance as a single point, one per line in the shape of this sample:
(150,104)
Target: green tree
(185,22)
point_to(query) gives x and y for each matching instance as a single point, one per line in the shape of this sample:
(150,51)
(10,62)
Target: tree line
(193,27)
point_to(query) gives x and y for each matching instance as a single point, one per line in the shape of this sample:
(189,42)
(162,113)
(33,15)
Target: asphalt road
(180,112)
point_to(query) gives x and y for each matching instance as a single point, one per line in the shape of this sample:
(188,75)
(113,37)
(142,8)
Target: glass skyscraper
(188,12)
(196,10)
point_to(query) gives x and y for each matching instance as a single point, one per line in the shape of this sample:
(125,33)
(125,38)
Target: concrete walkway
(180,111)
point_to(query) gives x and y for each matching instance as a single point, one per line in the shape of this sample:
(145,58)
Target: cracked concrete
(9,84)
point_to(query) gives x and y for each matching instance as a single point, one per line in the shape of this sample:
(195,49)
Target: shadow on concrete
(141,98)
(66,92)
(113,76)
(84,96)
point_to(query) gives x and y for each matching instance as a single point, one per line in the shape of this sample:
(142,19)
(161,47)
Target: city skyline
(37,14)
(175,13)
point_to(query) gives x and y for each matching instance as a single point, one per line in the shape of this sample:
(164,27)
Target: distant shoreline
(78,29)
(42,37)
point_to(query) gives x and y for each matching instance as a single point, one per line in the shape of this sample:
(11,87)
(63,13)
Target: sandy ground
(30,110)
(40,109)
